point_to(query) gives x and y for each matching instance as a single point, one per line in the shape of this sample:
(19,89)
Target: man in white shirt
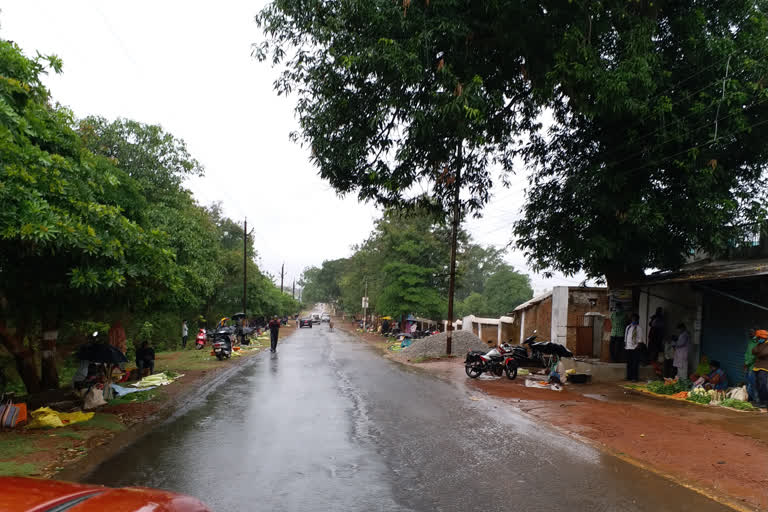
(634,342)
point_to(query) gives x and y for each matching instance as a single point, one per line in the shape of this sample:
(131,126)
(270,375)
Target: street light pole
(454,235)
(245,266)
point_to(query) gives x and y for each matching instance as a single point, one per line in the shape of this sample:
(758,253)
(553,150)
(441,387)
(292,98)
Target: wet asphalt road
(329,425)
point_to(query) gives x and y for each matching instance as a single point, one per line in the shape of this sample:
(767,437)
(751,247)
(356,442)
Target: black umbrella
(101,353)
(237,316)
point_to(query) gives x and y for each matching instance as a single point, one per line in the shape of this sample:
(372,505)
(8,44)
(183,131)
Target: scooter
(496,362)
(222,343)
(201,338)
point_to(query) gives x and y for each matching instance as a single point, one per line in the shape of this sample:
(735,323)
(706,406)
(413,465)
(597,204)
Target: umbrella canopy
(101,353)
(386,318)
(238,316)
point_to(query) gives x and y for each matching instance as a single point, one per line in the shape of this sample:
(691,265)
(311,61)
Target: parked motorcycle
(496,361)
(201,338)
(541,354)
(222,343)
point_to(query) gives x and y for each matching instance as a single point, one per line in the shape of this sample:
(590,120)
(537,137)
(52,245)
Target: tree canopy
(656,148)
(403,265)
(641,121)
(97,226)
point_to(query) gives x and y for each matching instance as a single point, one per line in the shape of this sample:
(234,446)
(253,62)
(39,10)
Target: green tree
(66,244)
(158,163)
(393,97)
(474,304)
(475,265)
(657,143)
(322,284)
(505,290)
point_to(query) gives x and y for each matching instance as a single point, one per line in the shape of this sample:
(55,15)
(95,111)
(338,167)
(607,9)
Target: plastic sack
(93,398)
(739,393)
(45,417)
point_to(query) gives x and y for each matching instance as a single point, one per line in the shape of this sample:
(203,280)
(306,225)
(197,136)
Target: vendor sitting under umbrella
(145,358)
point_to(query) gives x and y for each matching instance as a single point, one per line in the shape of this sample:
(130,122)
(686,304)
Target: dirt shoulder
(71,452)
(719,452)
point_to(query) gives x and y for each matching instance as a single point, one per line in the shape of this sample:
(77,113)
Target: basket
(579,378)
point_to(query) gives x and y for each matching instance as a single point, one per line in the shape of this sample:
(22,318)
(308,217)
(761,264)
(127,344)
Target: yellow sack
(47,417)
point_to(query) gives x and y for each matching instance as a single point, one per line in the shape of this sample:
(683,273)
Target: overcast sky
(188,67)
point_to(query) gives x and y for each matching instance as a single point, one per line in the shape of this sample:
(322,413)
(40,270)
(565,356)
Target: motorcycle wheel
(511,370)
(473,371)
(220,357)
(199,347)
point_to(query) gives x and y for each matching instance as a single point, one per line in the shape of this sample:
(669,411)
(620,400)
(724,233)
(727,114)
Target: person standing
(633,344)
(618,327)
(184,334)
(761,366)
(145,358)
(682,343)
(274,330)
(749,363)
(656,336)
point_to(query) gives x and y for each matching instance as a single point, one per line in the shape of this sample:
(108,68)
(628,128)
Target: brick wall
(579,304)
(537,317)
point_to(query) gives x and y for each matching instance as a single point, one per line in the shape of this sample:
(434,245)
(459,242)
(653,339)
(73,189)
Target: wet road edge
(174,408)
(603,449)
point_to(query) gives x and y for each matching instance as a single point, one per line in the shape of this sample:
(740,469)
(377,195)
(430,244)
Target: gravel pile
(434,346)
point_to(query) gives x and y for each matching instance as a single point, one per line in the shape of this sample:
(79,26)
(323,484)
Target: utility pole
(365,304)
(282,277)
(293,289)
(245,266)
(454,234)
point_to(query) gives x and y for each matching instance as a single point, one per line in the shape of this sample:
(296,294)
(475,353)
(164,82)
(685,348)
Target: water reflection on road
(327,424)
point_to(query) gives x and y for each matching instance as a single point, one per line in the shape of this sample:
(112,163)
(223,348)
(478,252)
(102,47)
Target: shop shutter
(727,345)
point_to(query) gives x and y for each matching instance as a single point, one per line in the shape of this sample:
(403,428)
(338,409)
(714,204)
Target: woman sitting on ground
(716,378)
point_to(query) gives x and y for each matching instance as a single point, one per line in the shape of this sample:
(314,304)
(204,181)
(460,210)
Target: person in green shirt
(618,326)
(749,362)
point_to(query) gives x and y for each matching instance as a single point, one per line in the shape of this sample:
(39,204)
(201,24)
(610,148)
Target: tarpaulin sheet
(158,379)
(47,417)
(121,391)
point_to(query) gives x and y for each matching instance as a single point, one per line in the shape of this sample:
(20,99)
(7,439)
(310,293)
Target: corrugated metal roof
(708,270)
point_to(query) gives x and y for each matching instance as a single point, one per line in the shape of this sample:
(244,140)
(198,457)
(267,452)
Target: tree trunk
(24,357)
(49,373)
(618,278)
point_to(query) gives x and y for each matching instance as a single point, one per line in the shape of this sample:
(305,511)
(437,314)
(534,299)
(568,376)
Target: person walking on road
(634,344)
(274,329)
(184,334)
(680,360)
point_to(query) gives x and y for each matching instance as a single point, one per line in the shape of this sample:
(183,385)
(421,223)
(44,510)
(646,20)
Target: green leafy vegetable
(737,404)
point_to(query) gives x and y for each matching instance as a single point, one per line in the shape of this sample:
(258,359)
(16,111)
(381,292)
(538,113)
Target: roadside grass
(102,421)
(13,445)
(18,469)
(184,360)
(68,434)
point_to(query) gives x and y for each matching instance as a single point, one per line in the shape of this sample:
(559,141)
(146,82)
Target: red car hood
(34,495)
